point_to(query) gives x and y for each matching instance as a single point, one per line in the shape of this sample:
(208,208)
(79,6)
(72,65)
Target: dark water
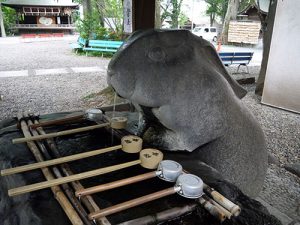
(40,207)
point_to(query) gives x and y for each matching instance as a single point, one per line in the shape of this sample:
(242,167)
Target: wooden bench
(103,46)
(80,44)
(240,58)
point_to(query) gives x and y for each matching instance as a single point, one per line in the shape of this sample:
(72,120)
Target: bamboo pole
(132,203)
(87,200)
(59,195)
(220,199)
(224,211)
(115,184)
(160,217)
(177,212)
(60,133)
(52,162)
(63,180)
(67,190)
(57,121)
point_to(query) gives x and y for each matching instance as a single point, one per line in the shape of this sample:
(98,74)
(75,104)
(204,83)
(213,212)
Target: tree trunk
(100,5)
(157,22)
(87,8)
(266,49)
(232,11)
(3,34)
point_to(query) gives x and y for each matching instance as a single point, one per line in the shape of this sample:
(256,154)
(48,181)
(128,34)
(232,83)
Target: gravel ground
(67,92)
(282,131)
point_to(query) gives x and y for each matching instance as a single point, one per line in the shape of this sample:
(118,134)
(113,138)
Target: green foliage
(217,8)
(86,27)
(90,29)
(9,18)
(182,19)
(111,13)
(245,3)
(103,11)
(171,10)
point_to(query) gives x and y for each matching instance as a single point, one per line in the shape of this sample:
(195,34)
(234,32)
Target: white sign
(282,83)
(128,27)
(45,20)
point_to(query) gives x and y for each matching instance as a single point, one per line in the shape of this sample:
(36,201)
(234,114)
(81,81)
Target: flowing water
(140,123)
(113,115)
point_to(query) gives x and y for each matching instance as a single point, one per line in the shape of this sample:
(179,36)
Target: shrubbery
(89,28)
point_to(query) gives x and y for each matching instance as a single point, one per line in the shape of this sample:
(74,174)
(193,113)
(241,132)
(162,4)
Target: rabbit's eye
(157,54)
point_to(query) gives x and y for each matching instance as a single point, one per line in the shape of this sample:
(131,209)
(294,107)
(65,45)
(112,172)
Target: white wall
(282,83)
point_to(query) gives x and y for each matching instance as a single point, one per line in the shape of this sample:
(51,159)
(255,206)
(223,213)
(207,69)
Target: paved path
(54,71)
(46,76)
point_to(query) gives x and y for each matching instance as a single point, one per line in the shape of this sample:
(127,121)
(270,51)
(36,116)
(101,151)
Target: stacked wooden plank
(244,32)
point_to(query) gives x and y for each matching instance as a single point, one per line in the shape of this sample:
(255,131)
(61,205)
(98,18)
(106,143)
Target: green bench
(80,44)
(103,46)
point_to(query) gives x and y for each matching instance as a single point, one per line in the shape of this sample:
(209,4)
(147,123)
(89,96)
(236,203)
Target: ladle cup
(187,185)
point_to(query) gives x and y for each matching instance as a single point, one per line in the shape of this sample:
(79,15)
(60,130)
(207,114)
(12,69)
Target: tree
(157,14)
(267,31)
(87,7)
(171,9)
(111,12)
(231,13)
(216,8)
(3,33)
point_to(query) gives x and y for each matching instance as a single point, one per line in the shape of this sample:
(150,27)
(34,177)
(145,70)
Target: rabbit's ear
(217,64)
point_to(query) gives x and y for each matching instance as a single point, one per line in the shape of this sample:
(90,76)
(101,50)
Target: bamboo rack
(59,195)
(87,200)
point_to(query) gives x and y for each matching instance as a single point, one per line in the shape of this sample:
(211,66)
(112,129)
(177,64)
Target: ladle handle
(115,184)
(132,203)
(63,180)
(60,133)
(53,162)
(57,122)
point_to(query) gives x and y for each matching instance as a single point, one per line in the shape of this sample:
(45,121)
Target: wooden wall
(244,32)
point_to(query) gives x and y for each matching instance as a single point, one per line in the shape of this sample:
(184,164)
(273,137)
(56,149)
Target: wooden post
(143,14)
